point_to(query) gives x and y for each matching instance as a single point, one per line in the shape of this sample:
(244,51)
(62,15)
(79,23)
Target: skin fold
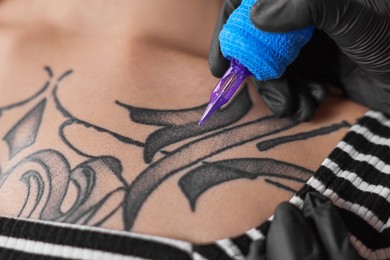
(99,106)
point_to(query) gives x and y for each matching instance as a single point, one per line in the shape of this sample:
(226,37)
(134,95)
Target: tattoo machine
(252,52)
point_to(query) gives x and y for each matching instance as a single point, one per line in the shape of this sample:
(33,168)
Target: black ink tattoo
(280,185)
(178,125)
(193,153)
(209,175)
(24,133)
(51,184)
(74,120)
(268,144)
(47,188)
(48,176)
(30,178)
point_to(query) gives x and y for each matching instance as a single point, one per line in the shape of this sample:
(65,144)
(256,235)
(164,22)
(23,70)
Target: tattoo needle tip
(225,88)
(207,113)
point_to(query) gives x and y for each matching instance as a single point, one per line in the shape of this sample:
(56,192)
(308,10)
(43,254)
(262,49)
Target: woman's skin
(111,140)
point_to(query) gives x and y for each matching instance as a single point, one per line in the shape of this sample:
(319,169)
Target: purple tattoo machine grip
(252,52)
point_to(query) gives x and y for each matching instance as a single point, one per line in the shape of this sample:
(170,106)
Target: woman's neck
(185,24)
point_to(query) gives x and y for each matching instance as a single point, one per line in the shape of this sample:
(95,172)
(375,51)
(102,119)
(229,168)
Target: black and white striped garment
(355,176)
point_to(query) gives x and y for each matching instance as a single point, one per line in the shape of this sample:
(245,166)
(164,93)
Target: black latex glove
(360,28)
(302,87)
(315,233)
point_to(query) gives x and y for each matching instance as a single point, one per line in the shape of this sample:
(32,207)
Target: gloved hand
(363,71)
(305,75)
(360,28)
(315,233)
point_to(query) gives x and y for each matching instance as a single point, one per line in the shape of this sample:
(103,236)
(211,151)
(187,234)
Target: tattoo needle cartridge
(225,88)
(252,52)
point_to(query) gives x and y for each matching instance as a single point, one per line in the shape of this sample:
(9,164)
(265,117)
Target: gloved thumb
(330,16)
(281,15)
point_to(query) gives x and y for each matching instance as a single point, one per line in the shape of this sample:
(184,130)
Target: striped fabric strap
(27,239)
(356,177)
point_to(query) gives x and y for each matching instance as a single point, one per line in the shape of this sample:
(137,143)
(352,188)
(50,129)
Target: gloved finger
(286,15)
(217,62)
(290,236)
(361,87)
(317,90)
(278,96)
(331,229)
(318,60)
(306,104)
(281,15)
(257,250)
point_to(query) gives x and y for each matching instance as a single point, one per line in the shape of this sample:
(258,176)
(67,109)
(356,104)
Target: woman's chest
(108,136)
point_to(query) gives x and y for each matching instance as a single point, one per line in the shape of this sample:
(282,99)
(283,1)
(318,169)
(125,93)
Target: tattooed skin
(47,175)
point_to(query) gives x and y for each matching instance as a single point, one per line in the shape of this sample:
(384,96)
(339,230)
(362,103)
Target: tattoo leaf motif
(24,132)
(178,125)
(199,180)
